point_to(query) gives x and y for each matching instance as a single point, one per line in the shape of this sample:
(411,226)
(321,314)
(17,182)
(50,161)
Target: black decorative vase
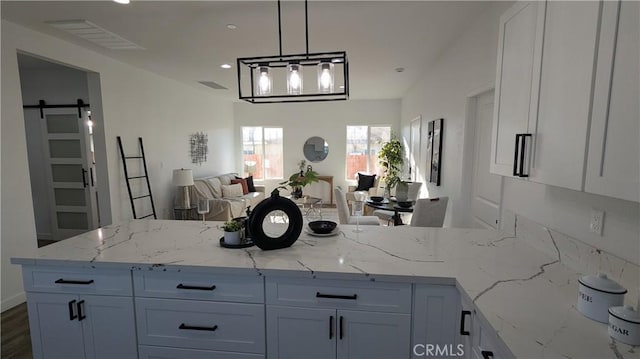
(297,193)
(262,210)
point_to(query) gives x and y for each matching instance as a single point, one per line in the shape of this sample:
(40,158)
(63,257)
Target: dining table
(390,204)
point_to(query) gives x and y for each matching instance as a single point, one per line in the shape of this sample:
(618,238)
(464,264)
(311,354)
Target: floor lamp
(183,178)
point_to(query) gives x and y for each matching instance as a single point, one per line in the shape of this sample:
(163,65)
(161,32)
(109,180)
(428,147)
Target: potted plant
(391,159)
(232,232)
(298,181)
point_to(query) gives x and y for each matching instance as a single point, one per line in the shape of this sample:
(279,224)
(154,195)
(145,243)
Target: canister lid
(601,283)
(625,313)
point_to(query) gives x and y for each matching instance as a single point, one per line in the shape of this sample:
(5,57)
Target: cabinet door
(108,326)
(613,168)
(55,330)
(435,316)
(373,335)
(560,130)
(519,46)
(301,332)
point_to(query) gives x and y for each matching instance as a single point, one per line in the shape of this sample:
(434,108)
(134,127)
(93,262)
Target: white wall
(135,103)
(468,65)
(328,120)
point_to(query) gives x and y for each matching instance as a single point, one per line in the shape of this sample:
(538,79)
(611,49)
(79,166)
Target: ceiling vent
(94,33)
(213,85)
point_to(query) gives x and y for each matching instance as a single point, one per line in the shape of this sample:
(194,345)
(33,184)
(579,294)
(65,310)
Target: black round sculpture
(262,210)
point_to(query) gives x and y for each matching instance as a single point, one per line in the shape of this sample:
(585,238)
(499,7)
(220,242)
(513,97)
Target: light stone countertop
(527,296)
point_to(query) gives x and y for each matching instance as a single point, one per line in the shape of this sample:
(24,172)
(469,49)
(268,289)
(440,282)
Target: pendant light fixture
(279,78)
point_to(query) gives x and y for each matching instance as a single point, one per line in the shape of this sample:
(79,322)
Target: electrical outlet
(597,221)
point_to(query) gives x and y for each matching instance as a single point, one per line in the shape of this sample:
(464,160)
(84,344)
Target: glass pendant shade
(264,83)
(325,77)
(294,79)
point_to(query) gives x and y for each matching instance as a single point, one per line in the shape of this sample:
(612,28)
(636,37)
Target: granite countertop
(527,296)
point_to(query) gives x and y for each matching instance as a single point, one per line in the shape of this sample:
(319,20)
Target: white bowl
(596,294)
(624,325)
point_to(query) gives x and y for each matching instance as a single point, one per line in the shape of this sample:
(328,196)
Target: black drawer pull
(331,327)
(182,286)
(341,327)
(194,327)
(64,281)
(462,322)
(486,354)
(80,315)
(72,314)
(336,296)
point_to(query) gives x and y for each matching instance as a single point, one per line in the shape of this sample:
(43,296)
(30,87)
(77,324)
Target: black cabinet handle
(463,316)
(331,327)
(523,144)
(84,178)
(194,327)
(341,327)
(519,154)
(80,315)
(93,184)
(72,315)
(182,286)
(486,354)
(336,296)
(64,281)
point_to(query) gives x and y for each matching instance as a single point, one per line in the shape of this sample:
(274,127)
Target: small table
(388,205)
(312,205)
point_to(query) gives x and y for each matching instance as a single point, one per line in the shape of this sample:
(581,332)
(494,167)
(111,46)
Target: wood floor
(16,341)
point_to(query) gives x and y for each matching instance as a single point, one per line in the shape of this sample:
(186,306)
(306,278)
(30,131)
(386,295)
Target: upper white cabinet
(567,96)
(613,167)
(519,47)
(559,132)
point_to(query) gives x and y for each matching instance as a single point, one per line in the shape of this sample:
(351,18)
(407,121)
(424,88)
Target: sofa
(223,208)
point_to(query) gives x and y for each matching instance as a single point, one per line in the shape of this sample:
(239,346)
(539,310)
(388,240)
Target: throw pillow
(231,190)
(365,182)
(250,186)
(243,182)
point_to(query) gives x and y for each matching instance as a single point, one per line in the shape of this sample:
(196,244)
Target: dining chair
(343,211)
(412,194)
(429,212)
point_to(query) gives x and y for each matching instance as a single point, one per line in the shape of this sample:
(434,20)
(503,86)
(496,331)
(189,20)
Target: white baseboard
(13,301)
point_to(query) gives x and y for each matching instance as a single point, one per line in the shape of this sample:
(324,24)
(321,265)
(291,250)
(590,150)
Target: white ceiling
(189,40)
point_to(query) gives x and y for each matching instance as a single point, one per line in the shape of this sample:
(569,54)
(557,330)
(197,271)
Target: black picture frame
(434,150)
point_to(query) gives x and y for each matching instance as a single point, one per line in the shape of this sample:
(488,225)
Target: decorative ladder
(146,176)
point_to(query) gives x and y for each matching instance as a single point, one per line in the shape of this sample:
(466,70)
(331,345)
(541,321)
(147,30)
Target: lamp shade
(182,177)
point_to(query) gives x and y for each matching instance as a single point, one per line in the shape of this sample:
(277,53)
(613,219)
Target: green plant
(231,226)
(297,181)
(391,159)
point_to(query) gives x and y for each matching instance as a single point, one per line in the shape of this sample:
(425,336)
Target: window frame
(262,144)
(368,149)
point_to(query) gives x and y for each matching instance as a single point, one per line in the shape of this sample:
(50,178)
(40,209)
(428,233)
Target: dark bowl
(405,204)
(376,198)
(322,227)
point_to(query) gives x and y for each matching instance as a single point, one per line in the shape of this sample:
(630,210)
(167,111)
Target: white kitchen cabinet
(436,317)
(337,319)
(519,53)
(81,326)
(613,166)
(542,134)
(560,129)
(328,333)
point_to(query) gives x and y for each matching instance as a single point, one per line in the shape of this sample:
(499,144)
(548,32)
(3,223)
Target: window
(262,152)
(363,145)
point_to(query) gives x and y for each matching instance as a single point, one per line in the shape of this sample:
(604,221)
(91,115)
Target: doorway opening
(66,148)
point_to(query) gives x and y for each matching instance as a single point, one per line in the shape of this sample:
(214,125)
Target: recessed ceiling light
(225,66)
(399,69)
(122,1)
(231,26)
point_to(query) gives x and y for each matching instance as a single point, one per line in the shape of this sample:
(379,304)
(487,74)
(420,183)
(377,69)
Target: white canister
(624,325)
(596,294)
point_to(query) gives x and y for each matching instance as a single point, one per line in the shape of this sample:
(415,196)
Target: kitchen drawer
(201,325)
(340,294)
(147,352)
(236,288)
(77,280)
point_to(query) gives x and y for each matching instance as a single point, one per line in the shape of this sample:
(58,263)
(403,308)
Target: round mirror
(316,149)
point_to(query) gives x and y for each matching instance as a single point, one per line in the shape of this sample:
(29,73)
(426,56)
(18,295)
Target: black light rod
(306,25)
(279,29)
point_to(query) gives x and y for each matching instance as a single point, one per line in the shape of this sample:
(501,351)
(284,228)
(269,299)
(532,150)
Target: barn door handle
(462,322)
(80,315)
(72,314)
